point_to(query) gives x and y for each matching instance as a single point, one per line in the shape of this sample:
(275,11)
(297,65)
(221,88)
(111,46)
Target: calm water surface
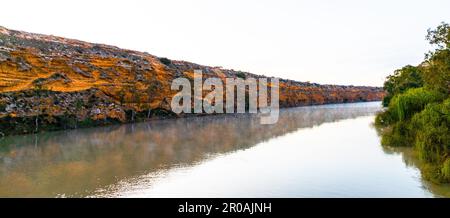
(318,151)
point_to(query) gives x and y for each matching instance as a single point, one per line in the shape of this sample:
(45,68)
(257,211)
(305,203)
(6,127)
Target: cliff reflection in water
(79,162)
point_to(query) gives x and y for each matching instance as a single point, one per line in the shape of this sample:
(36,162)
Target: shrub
(445,171)
(384,119)
(241,75)
(404,106)
(433,132)
(165,61)
(398,134)
(386,100)
(2,106)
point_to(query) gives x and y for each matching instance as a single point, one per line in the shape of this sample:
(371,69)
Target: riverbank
(18,125)
(51,83)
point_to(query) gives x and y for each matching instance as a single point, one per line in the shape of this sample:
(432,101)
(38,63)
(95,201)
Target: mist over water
(317,151)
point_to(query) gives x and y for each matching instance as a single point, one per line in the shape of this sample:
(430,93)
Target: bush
(165,61)
(445,171)
(398,134)
(2,106)
(404,106)
(386,100)
(384,119)
(432,141)
(241,75)
(433,132)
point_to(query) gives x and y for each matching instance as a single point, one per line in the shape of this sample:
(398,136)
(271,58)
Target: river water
(316,151)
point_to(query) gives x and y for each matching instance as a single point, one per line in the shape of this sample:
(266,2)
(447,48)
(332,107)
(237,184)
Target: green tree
(402,80)
(437,71)
(419,108)
(405,105)
(440,36)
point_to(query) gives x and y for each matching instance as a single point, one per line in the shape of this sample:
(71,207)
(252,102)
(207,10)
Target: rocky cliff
(49,82)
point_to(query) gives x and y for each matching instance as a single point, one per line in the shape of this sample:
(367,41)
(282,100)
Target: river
(315,151)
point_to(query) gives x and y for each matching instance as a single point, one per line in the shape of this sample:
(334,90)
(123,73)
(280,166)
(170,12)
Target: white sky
(336,42)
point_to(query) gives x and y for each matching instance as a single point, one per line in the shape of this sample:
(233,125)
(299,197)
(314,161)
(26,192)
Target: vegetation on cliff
(418,108)
(49,82)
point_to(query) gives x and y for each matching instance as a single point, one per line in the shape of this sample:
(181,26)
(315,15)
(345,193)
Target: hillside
(49,82)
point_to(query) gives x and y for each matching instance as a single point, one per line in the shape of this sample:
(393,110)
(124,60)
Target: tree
(440,36)
(136,96)
(403,79)
(38,89)
(437,71)
(79,103)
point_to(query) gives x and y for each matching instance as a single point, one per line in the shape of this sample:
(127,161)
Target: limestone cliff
(49,82)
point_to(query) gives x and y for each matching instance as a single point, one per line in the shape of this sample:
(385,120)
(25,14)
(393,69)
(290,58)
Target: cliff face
(49,82)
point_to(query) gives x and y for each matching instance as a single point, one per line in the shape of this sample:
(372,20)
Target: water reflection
(411,159)
(77,162)
(87,162)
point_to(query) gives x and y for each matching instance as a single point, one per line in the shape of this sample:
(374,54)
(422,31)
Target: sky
(347,42)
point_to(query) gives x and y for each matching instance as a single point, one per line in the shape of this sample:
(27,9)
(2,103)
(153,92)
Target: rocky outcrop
(49,82)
